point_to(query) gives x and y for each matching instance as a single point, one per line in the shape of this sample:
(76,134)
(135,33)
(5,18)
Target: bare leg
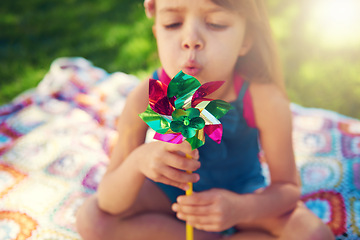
(300,224)
(150,218)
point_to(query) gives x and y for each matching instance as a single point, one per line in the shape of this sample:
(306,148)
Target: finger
(180,176)
(167,181)
(196,199)
(184,148)
(181,163)
(209,227)
(192,210)
(177,161)
(199,219)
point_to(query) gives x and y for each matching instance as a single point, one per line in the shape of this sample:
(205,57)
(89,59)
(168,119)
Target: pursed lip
(192,68)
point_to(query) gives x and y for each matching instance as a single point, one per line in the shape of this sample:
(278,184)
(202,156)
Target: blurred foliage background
(319,42)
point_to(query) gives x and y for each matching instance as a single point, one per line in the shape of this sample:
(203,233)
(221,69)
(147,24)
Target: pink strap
(164,78)
(247,102)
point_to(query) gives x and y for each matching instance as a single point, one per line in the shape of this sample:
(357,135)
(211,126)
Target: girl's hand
(167,163)
(212,210)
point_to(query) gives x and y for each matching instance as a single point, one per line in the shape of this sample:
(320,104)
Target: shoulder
(139,96)
(271,106)
(136,103)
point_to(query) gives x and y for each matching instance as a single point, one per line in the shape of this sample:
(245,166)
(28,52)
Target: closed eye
(217,26)
(173,25)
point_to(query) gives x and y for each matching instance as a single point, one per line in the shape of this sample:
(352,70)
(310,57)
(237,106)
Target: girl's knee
(91,222)
(304,225)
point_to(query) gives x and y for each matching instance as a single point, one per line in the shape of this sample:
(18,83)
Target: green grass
(116,36)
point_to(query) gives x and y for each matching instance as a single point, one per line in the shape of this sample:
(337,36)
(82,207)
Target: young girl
(141,196)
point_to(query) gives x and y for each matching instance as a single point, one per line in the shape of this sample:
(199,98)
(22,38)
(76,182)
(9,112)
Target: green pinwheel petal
(190,113)
(218,108)
(188,132)
(195,142)
(197,123)
(154,120)
(178,114)
(177,126)
(182,86)
(193,112)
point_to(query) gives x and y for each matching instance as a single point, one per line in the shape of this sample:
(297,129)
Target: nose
(193,39)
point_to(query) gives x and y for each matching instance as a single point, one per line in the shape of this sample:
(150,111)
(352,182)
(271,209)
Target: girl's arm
(131,134)
(274,121)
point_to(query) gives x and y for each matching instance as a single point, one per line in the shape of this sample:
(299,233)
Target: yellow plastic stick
(189,229)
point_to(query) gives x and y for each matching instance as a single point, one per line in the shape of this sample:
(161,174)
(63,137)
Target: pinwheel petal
(188,132)
(209,118)
(170,137)
(197,123)
(178,113)
(203,104)
(177,126)
(214,132)
(158,98)
(218,108)
(182,87)
(154,120)
(193,112)
(198,140)
(204,90)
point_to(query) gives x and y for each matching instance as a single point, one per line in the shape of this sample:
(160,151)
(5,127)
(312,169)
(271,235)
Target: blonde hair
(261,63)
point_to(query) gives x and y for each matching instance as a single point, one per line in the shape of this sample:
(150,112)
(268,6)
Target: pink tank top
(247,101)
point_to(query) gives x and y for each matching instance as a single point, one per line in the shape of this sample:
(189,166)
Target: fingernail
(175,207)
(180,216)
(197,178)
(196,155)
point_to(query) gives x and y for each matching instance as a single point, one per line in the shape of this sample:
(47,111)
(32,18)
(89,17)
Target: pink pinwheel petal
(214,132)
(204,90)
(158,98)
(170,137)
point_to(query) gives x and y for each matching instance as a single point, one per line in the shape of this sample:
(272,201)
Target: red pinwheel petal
(204,90)
(158,98)
(214,132)
(170,137)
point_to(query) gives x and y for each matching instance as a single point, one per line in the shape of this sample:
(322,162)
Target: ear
(247,44)
(149,6)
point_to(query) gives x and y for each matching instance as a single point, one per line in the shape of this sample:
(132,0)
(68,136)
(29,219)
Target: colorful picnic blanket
(55,141)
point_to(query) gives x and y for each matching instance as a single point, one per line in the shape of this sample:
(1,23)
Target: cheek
(225,56)
(165,41)
(167,57)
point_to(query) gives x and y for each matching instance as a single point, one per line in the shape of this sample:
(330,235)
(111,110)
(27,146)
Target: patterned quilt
(55,140)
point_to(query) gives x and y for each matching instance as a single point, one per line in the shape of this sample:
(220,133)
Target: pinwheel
(180,112)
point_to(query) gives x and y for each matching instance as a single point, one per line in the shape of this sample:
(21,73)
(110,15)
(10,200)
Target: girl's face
(200,38)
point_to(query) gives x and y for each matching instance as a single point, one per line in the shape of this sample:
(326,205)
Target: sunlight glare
(336,22)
